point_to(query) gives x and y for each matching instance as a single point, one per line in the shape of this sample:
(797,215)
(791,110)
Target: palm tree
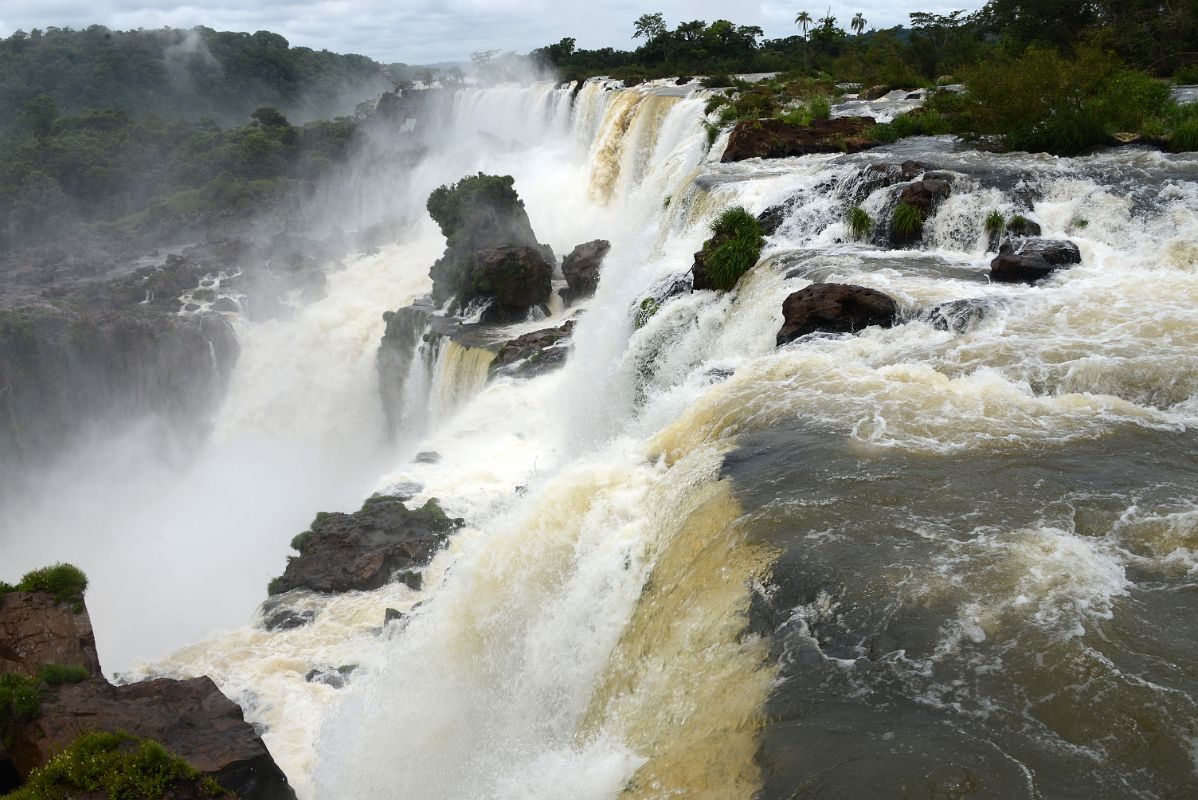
(858,23)
(803,20)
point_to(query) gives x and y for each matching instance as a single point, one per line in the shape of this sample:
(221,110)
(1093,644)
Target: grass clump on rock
(736,246)
(65,582)
(20,701)
(121,766)
(995,224)
(907,221)
(860,222)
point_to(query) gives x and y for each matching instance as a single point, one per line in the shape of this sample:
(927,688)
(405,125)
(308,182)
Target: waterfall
(679,541)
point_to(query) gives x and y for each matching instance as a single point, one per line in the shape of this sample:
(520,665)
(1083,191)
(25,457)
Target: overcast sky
(422,31)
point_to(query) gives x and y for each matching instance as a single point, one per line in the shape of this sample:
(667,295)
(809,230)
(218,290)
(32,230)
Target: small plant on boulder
(733,249)
(860,222)
(907,221)
(65,582)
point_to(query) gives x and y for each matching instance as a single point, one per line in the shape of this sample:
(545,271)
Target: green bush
(860,222)
(907,221)
(821,108)
(20,701)
(451,205)
(883,134)
(66,582)
(1184,138)
(1186,75)
(58,674)
(299,540)
(120,766)
(738,242)
(1044,102)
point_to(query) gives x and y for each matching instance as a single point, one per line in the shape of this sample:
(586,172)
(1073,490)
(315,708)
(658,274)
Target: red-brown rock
(773,138)
(36,631)
(834,308)
(191,719)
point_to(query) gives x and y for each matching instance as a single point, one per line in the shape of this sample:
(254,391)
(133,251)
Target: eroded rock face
(928,193)
(191,719)
(834,308)
(581,269)
(773,138)
(1030,259)
(35,632)
(366,549)
(534,353)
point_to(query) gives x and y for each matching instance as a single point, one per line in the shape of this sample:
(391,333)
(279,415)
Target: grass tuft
(739,250)
(907,221)
(65,582)
(860,222)
(995,224)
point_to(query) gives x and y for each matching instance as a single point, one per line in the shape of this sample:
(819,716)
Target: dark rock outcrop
(366,549)
(581,269)
(873,92)
(880,176)
(773,138)
(480,212)
(1031,259)
(333,677)
(1022,227)
(929,192)
(534,353)
(834,308)
(191,719)
(516,277)
(35,631)
(401,337)
(772,218)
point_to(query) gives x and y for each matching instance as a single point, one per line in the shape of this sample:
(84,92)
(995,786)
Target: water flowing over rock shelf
(625,453)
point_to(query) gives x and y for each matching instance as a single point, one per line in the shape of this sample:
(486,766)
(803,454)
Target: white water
(514,679)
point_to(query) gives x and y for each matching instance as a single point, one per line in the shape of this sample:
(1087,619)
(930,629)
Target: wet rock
(427,457)
(659,294)
(928,193)
(392,615)
(1031,259)
(534,353)
(834,308)
(1022,227)
(772,218)
(581,269)
(366,549)
(633,81)
(517,277)
(335,677)
(226,305)
(879,176)
(288,619)
(873,92)
(960,316)
(397,349)
(191,719)
(35,631)
(773,138)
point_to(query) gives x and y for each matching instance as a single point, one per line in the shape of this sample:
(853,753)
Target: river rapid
(907,563)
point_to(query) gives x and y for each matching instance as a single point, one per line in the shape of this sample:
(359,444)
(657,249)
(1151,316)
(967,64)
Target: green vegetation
(20,701)
(121,766)
(451,206)
(907,221)
(995,224)
(737,243)
(66,582)
(860,222)
(645,311)
(58,674)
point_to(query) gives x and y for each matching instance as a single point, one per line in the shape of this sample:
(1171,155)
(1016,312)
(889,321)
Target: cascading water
(907,562)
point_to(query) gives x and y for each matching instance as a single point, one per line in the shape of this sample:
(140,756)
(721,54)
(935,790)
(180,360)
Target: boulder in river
(773,138)
(581,269)
(366,549)
(834,308)
(1028,260)
(927,193)
(534,353)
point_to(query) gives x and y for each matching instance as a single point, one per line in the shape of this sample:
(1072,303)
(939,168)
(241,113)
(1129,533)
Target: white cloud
(424,31)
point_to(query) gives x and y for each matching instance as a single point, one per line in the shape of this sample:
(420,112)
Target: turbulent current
(907,563)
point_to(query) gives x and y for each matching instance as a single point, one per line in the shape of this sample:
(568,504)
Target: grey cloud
(421,31)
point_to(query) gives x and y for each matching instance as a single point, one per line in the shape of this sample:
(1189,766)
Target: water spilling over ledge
(696,564)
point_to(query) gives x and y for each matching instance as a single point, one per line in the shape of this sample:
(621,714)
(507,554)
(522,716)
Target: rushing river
(908,563)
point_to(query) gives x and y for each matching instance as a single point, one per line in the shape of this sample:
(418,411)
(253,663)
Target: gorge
(952,555)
